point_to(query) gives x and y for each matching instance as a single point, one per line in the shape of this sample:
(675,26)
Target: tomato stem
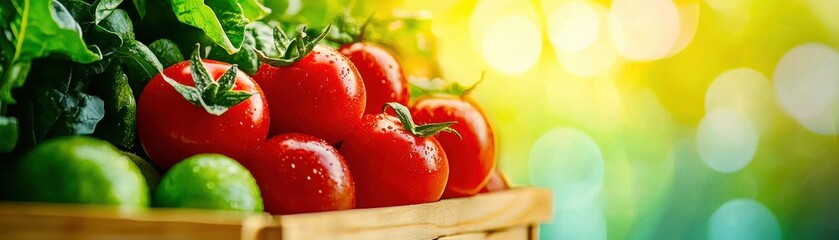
(363,30)
(469,90)
(291,49)
(214,96)
(427,130)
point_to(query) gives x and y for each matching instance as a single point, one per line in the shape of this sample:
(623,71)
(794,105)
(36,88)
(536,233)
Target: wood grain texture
(466,236)
(515,207)
(58,221)
(514,233)
(481,215)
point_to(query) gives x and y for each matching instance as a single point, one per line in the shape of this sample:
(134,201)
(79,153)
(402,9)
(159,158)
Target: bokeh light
(743,219)
(586,222)
(587,51)
(512,44)
(570,163)
(573,26)
(646,116)
(745,90)
(727,140)
(689,21)
(644,30)
(508,34)
(807,81)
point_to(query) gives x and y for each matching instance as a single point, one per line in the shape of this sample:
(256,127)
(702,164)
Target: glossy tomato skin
(472,158)
(383,77)
(321,95)
(392,167)
(298,173)
(497,182)
(171,128)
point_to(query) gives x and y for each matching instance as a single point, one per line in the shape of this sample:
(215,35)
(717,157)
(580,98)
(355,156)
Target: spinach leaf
(141,7)
(37,25)
(8,134)
(221,20)
(104,8)
(166,51)
(253,9)
(80,10)
(118,124)
(258,35)
(141,64)
(112,32)
(54,103)
(263,38)
(80,113)
(246,59)
(118,23)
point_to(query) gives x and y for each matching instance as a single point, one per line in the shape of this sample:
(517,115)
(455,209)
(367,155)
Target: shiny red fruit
(171,128)
(383,77)
(472,158)
(392,166)
(321,95)
(298,173)
(497,182)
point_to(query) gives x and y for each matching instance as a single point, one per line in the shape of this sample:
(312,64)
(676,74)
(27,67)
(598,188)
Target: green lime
(149,172)
(210,181)
(79,169)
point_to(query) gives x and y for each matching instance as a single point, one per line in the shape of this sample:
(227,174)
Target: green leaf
(113,31)
(36,26)
(166,51)
(258,36)
(141,7)
(8,134)
(254,10)
(141,64)
(118,124)
(263,38)
(79,9)
(223,21)
(104,8)
(80,114)
(119,24)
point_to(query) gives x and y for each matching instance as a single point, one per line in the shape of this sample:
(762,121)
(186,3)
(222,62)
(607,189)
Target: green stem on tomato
(427,130)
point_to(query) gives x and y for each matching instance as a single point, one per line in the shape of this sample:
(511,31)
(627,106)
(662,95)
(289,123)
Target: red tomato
(298,173)
(171,128)
(472,158)
(393,166)
(321,95)
(497,182)
(383,77)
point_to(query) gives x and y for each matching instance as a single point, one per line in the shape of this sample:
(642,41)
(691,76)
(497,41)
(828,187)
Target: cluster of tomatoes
(312,129)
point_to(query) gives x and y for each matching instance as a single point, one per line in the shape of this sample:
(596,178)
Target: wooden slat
(466,236)
(515,233)
(480,214)
(515,207)
(534,232)
(55,221)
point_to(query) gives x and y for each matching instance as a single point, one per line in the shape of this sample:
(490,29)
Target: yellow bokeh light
(689,20)
(573,26)
(597,56)
(644,30)
(512,44)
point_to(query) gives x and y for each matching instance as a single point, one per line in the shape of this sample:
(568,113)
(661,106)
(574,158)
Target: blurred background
(649,119)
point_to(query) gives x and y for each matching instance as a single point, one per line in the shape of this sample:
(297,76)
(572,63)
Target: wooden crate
(510,215)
